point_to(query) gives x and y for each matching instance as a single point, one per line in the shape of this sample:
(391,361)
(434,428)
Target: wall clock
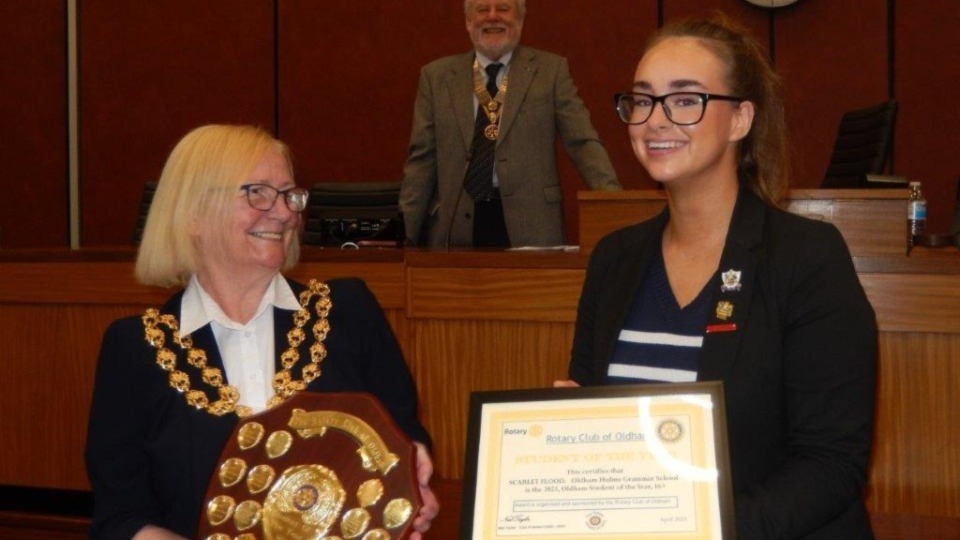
(771,4)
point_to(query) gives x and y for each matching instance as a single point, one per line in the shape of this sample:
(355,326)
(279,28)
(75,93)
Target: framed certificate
(613,462)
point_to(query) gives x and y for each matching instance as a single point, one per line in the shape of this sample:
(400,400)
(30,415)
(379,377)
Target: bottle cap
(914,183)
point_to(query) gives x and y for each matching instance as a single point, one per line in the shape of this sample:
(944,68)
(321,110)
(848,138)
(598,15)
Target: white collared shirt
(484,62)
(247,349)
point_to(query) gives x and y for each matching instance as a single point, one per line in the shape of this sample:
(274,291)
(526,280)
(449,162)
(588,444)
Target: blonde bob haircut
(197,191)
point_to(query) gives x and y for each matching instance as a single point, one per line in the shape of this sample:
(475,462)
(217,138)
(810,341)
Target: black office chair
(148,190)
(862,147)
(354,214)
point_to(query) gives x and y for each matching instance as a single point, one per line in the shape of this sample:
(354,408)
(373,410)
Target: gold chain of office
(284,385)
(492,105)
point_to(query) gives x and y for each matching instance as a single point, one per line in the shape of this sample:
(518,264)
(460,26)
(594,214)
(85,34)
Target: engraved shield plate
(330,466)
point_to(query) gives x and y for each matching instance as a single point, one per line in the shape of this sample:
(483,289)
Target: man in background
(481,168)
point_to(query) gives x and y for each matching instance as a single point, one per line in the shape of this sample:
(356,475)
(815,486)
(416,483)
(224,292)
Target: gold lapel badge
(724,310)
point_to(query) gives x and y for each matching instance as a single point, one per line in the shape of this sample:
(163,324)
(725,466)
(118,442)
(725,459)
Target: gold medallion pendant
(490,105)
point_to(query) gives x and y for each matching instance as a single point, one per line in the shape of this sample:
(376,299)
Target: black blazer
(799,371)
(150,455)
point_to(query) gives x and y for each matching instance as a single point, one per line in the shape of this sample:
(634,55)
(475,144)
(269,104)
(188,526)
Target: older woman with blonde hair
(224,222)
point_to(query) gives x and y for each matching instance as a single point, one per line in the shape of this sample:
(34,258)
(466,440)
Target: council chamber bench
(487,320)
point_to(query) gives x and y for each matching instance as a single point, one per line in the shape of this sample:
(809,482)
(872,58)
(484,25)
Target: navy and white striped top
(659,342)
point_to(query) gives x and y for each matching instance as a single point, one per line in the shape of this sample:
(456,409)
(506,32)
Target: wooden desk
(872,221)
(467,321)
(21,525)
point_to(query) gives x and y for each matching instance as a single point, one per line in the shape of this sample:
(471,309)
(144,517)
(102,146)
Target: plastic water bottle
(916,214)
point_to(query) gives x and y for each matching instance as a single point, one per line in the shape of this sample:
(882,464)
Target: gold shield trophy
(319,466)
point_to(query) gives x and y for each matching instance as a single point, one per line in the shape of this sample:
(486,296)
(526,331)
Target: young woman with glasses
(724,285)
(171,383)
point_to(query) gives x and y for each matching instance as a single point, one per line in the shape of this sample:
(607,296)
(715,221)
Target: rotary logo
(669,431)
(305,498)
(536,430)
(595,520)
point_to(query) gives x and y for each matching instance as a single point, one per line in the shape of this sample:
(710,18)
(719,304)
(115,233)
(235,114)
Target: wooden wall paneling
(488,337)
(934,304)
(602,42)
(33,67)
(486,321)
(400,325)
(914,527)
(871,221)
(103,282)
(755,19)
(149,73)
(54,315)
(494,293)
(604,212)
(927,74)
(348,78)
(457,357)
(485,329)
(21,525)
(833,58)
(916,457)
(49,355)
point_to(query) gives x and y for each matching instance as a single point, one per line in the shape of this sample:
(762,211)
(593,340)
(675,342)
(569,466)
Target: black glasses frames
(264,196)
(681,108)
